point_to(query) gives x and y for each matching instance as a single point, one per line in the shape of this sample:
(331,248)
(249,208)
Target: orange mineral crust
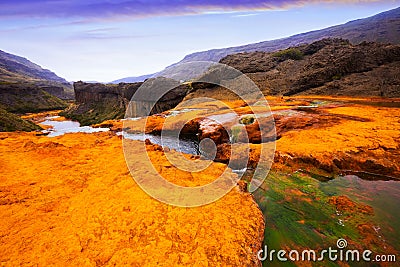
(71,201)
(356,137)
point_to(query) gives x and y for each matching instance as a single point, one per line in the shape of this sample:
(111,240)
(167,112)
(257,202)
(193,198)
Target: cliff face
(97,92)
(97,102)
(328,67)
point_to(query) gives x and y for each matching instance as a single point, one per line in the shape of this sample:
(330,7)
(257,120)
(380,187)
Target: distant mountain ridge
(383,27)
(12,65)
(134,79)
(17,71)
(26,87)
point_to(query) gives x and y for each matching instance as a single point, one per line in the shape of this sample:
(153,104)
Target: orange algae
(70,200)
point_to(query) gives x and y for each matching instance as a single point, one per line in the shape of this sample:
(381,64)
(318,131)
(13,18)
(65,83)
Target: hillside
(26,87)
(18,70)
(383,27)
(19,66)
(10,122)
(325,67)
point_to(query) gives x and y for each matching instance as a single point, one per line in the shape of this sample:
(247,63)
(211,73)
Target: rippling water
(182,145)
(383,196)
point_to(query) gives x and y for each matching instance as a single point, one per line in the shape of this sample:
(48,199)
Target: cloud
(102,36)
(43,26)
(245,15)
(109,33)
(123,9)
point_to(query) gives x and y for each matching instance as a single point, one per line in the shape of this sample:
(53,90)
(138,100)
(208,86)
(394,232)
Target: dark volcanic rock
(98,92)
(325,67)
(99,102)
(96,102)
(157,95)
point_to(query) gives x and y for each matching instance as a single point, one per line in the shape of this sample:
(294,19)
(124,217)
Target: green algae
(299,216)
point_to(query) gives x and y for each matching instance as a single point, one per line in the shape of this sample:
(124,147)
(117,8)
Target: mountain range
(383,28)
(27,87)
(345,65)
(16,68)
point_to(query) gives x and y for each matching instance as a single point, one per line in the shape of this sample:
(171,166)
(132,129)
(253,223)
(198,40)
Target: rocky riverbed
(72,200)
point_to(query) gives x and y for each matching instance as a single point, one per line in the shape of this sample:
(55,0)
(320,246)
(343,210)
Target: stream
(298,213)
(58,128)
(182,145)
(295,204)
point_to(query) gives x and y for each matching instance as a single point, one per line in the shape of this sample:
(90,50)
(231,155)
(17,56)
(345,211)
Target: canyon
(312,159)
(325,67)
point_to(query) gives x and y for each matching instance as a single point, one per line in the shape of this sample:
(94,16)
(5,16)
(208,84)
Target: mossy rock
(290,53)
(93,113)
(246,120)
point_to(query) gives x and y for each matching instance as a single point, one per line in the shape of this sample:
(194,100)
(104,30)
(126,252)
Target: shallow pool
(58,128)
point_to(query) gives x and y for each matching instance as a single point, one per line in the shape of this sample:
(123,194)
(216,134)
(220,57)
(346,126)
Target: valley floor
(71,200)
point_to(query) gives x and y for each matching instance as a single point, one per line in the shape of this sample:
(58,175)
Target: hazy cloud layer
(140,8)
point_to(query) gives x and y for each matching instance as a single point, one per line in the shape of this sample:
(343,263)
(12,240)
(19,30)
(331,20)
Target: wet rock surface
(70,200)
(332,134)
(88,210)
(347,137)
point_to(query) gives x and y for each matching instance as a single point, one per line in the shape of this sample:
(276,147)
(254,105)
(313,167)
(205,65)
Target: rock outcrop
(328,67)
(97,102)
(72,200)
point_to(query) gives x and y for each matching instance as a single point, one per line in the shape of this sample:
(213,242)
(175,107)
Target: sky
(105,40)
